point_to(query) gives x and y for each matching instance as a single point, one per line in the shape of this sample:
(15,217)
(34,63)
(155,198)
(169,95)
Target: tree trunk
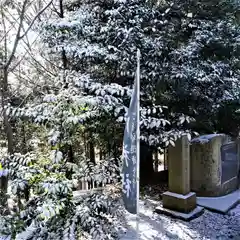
(91,151)
(5,99)
(3,184)
(24,142)
(67,151)
(61,15)
(61,11)
(70,154)
(109,147)
(156,160)
(115,148)
(7,126)
(9,133)
(146,164)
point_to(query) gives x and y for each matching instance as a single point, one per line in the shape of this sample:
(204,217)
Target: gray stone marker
(213,165)
(179,201)
(206,165)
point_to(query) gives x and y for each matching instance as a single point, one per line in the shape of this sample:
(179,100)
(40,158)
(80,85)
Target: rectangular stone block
(178,202)
(179,166)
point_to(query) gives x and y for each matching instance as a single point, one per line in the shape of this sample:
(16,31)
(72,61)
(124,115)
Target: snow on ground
(152,226)
(209,226)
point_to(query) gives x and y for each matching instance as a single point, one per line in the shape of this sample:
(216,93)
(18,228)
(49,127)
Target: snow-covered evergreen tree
(203,66)
(181,80)
(42,176)
(101,38)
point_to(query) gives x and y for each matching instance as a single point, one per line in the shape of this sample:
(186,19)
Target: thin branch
(17,38)
(17,20)
(44,68)
(28,80)
(5,38)
(54,9)
(13,26)
(34,19)
(28,50)
(47,60)
(27,43)
(26,97)
(5,34)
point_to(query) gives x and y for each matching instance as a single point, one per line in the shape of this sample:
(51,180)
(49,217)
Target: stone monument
(179,201)
(214,165)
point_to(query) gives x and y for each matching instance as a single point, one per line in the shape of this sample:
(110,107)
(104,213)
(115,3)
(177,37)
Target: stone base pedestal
(178,202)
(198,211)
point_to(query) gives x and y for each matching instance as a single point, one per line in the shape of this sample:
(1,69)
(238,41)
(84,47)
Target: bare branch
(13,26)
(54,9)
(26,97)
(17,20)
(26,42)
(17,38)
(31,84)
(34,19)
(5,38)
(44,68)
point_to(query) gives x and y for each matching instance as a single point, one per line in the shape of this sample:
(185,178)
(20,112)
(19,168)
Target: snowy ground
(152,226)
(209,226)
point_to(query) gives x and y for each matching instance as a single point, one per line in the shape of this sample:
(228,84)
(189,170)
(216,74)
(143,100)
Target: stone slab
(220,204)
(198,211)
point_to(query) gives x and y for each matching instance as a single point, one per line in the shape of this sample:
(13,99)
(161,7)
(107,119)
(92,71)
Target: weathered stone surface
(179,166)
(214,165)
(206,165)
(178,202)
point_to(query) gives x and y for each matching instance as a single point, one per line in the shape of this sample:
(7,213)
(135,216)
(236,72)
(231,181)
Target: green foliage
(51,202)
(42,177)
(189,52)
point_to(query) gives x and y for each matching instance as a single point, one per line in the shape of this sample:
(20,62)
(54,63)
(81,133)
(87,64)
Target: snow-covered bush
(49,210)
(40,184)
